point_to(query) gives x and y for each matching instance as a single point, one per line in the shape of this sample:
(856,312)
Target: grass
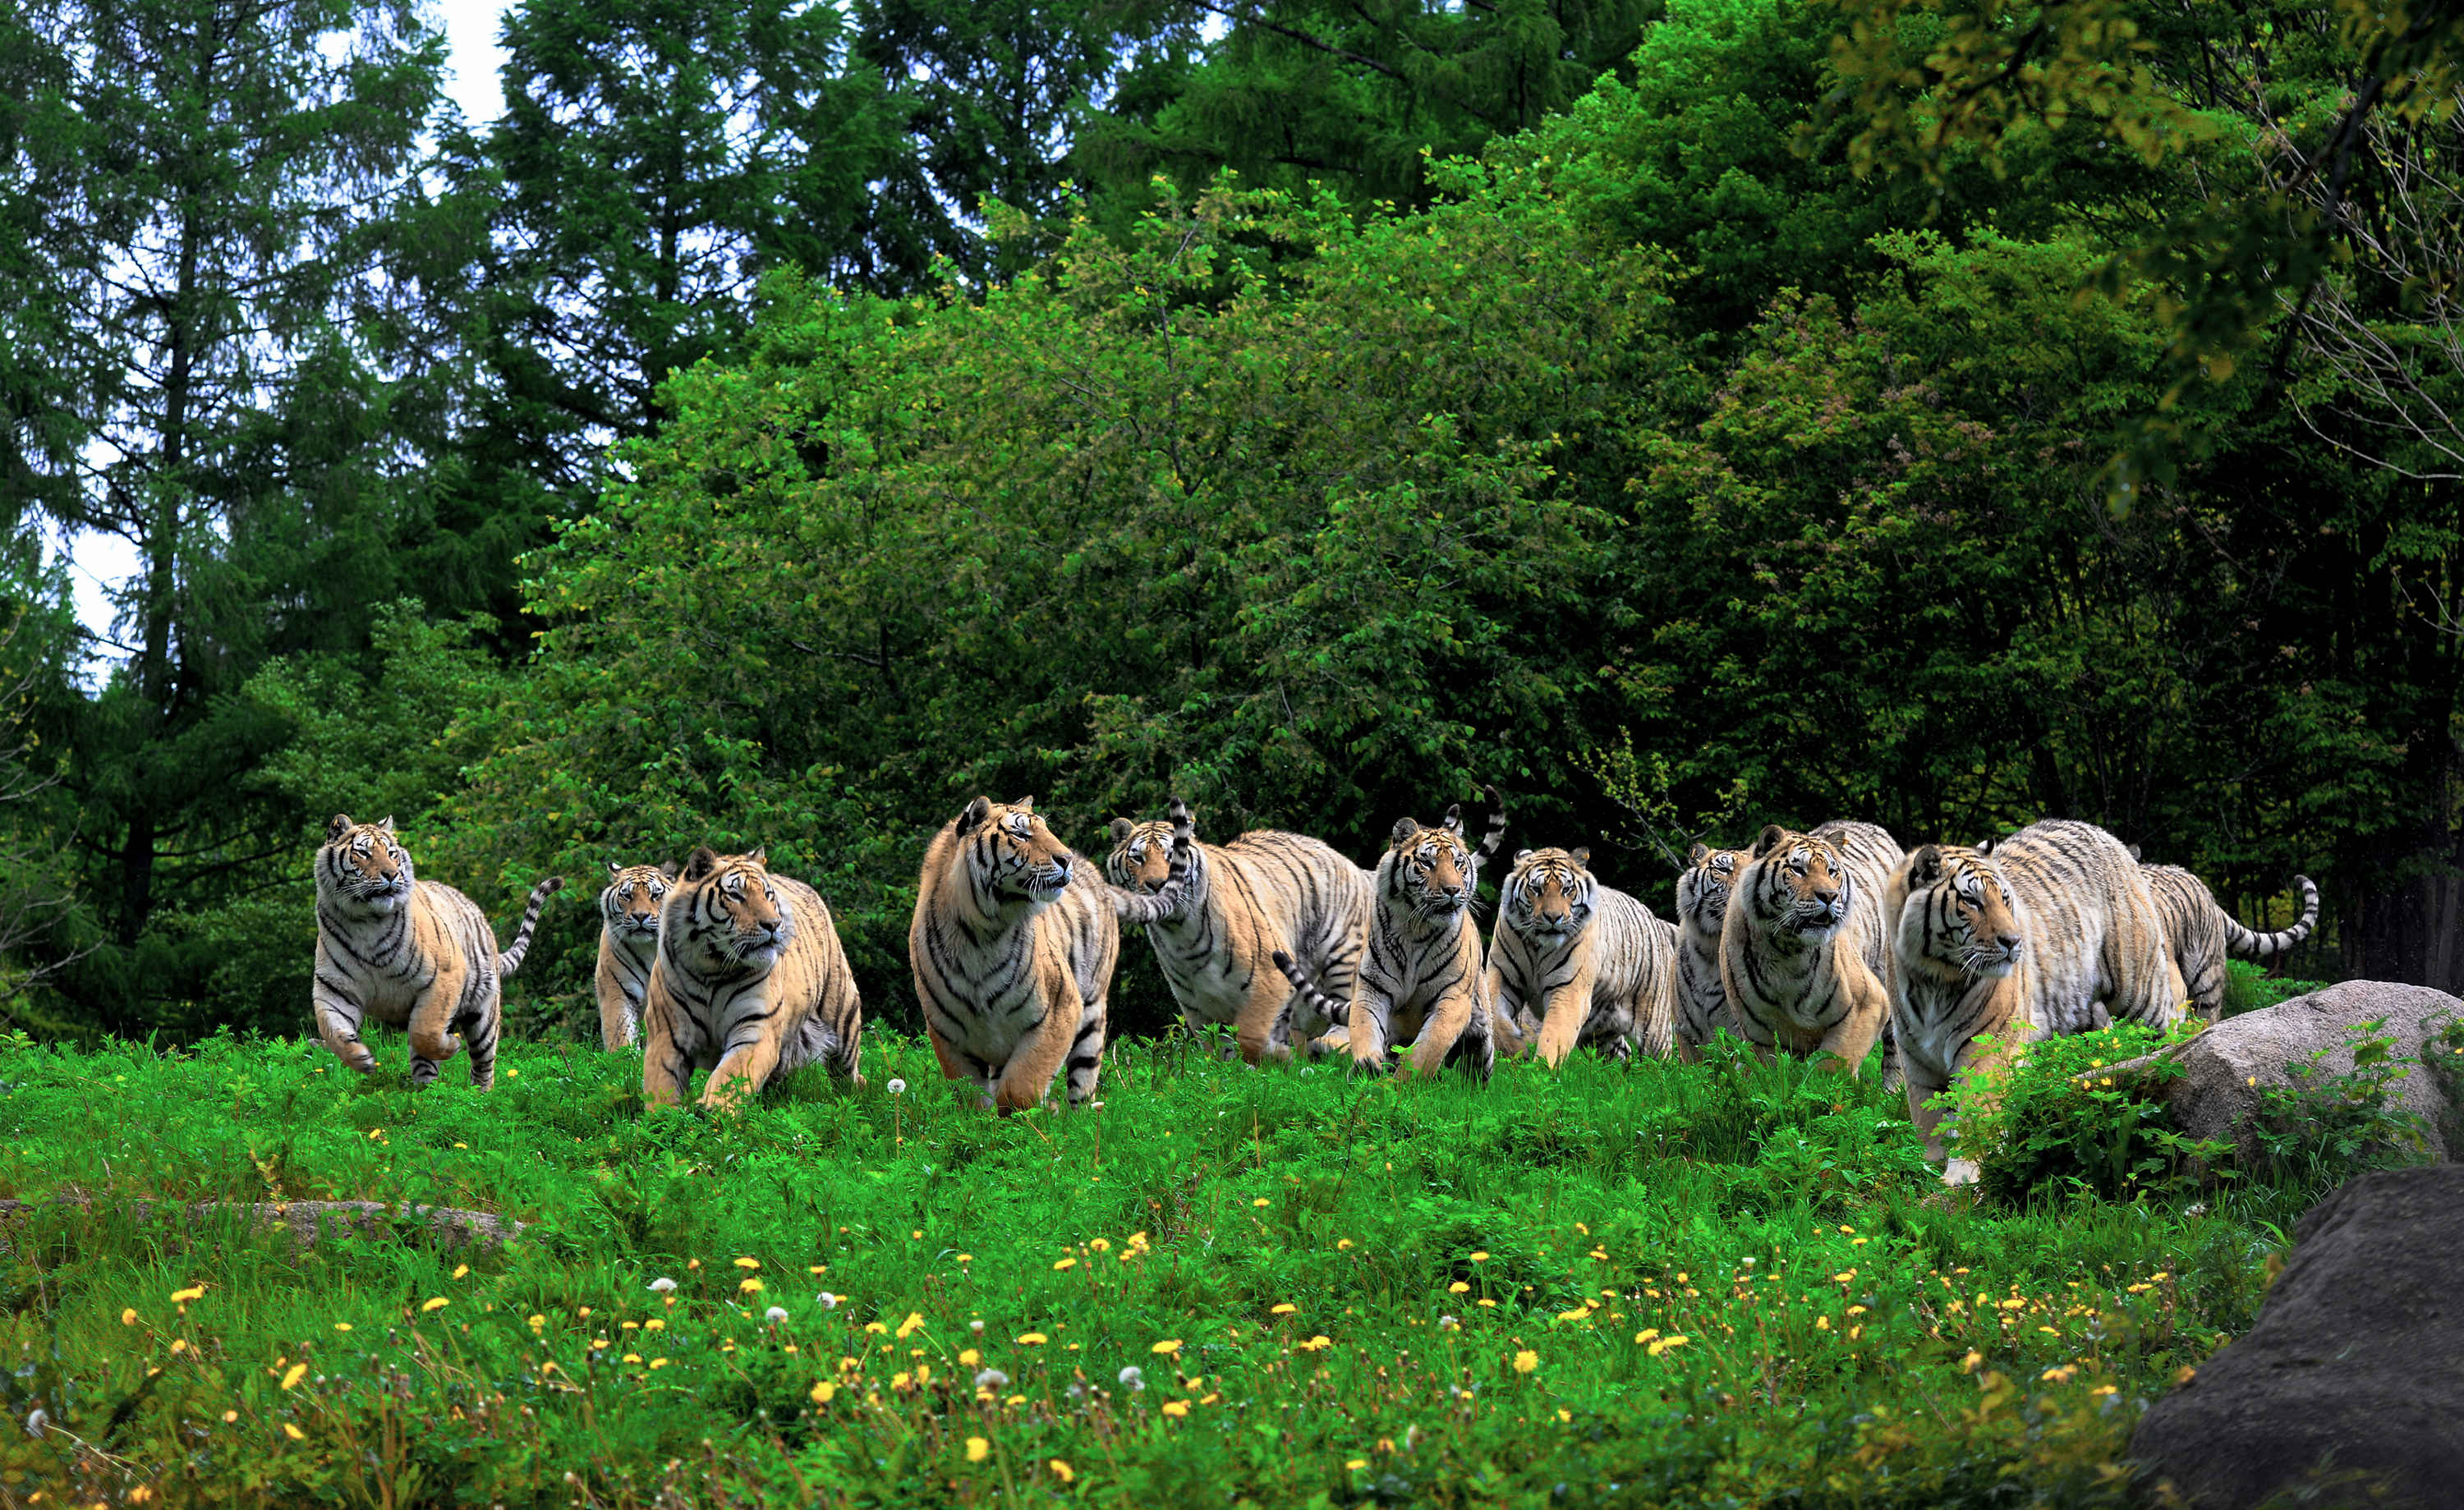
(1725,1284)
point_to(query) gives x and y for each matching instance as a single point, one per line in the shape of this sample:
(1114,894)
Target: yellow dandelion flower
(179,1344)
(823,1392)
(435,1302)
(1061,1470)
(1356,1464)
(1968,1364)
(970,1356)
(750,1286)
(194,1292)
(1342,1244)
(461,1269)
(978,1449)
(1456,1288)
(1479,1258)
(298,1373)
(1176,1407)
(748,1263)
(1170,1345)
(1033,1339)
(341,1327)
(294,1433)
(1484,1301)
(1525,1360)
(128,1315)
(1059,1264)
(1262,1201)
(1317,1344)
(230,1417)
(877,1328)
(908,1327)
(1280,1308)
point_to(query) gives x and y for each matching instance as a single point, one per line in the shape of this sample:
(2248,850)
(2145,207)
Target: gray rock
(2349,1391)
(2215,1096)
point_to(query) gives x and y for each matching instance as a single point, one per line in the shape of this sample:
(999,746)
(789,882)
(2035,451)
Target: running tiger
(1264,891)
(2050,931)
(1601,969)
(749,982)
(1422,981)
(628,943)
(1013,945)
(408,952)
(1703,890)
(1804,956)
(2202,934)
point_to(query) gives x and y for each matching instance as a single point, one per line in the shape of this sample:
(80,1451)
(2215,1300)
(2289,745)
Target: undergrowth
(1718,1285)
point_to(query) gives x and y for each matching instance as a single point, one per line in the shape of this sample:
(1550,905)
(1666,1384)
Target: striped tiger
(2202,934)
(1421,982)
(1262,891)
(1013,944)
(1703,889)
(2051,930)
(408,952)
(1599,968)
(628,943)
(1804,956)
(748,983)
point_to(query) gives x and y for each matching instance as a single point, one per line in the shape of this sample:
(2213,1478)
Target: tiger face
(1703,886)
(1960,914)
(1549,892)
(634,895)
(1804,886)
(1437,871)
(729,911)
(363,863)
(1011,855)
(1141,857)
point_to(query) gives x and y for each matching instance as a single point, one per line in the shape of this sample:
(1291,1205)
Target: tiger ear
(1695,855)
(614,870)
(1771,838)
(977,812)
(759,856)
(1581,856)
(1025,804)
(1925,866)
(1404,830)
(1522,855)
(668,869)
(700,863)
(1454,819)
(385,822)
(337,826)
(1121,829)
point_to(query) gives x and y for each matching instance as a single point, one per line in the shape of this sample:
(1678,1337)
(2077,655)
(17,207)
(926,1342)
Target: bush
(2048,1119)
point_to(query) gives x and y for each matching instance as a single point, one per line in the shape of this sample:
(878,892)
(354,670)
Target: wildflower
(991,1379)
(435,1303)
(460,1270)
(978,1449)
(662,1285)
(194,1292)
(823,1390)
(750,1286)
(1342,1244)
(298,1371)
(775,1315)
(1448,1324)
(1065,1263)
(1262,1201)
(1968,1364)
(1479,1258)
(1167,1347)
(1133,1378)
(1525,1360)
(1645,1335)
(826,1301)
(976,1327)
(294,1433)
(1317,1344)
(1176,1407)
(748,1263)
(898,1087)
(1060,1471)
(969,1358)
(341,1327)
(1664,1344)
(1356,1464)
(1284,1308)
(908,1327)
(38,1421)
(1484,1301)
(1033,1339)
(1459,1287)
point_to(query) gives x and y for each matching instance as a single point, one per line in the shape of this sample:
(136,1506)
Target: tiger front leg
(740,1073)
(1562,1015)
(433,1015)
(1038,1055)
(1456,1029)
(1369,1022)
(1869,1007)
(337,1021)
(667,1058)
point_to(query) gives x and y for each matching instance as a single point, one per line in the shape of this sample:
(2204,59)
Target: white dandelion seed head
(38,1421)
(991,1379)
(976,1327)
(1077,1392)
(1133,1378)
(776,1314)
(898,1087)
(663,1284)
(1447,1323)
(826,1301)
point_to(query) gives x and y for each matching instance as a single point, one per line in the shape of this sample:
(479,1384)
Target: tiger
(1804,957)
(1703,889)
(1598,967)
(2202,934)
(408,952)
(2050,931)
(749,982)
(1422,981)
(1265,891)
(1012,946)
(628,943)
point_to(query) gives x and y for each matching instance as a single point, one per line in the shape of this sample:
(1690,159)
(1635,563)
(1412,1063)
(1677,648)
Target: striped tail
(510,959)
(1133,909)
(2246,944)
(1319,1001)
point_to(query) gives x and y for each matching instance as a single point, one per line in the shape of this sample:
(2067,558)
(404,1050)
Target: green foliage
(2052,1120)
(2320,1127)
(1736,1284)
(2249,987)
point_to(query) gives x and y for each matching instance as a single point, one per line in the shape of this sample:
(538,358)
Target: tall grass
(1722,1284)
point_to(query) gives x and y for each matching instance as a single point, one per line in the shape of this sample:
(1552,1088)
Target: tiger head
(362,863)
(1141,857)
(729,916)
(630,905)
(1960,916)
(1435,870)
(1011,856)
(1549,893)
(1799,883)
(1703,886)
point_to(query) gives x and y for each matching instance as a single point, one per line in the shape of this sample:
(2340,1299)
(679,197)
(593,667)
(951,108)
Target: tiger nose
(1061,863)
(1826,895)
(2010,942)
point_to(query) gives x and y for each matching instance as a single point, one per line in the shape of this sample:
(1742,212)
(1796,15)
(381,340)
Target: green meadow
(1718,1285)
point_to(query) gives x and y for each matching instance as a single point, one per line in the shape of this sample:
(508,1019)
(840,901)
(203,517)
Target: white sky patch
(471,64)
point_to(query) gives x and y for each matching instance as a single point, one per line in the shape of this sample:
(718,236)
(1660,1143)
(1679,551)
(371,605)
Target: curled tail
(2247,944)
(1496,823)
(1133,909)
(510,959)
(1319,1001)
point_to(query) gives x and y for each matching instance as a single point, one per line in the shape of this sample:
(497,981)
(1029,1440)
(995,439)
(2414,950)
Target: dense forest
(788,421)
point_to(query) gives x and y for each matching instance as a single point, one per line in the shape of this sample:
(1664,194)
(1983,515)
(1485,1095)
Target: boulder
(2349,1391)
(2214,1097)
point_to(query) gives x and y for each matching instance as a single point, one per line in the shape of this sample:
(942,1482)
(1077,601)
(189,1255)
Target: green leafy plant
(2320,1127)
(2055,1118)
